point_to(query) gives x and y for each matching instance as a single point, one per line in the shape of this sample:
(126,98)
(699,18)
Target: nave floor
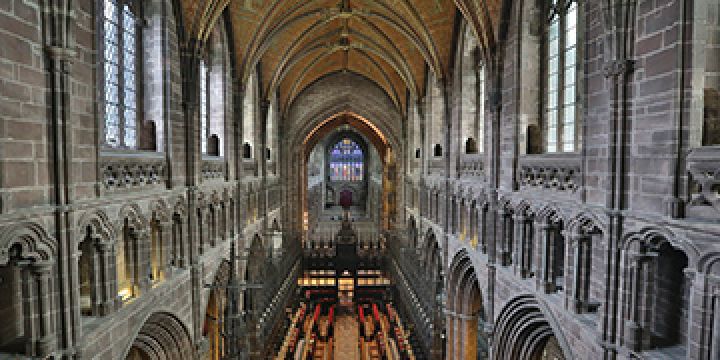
(346,335)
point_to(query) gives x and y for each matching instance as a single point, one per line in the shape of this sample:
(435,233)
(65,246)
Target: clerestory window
(560,76)
(120,65)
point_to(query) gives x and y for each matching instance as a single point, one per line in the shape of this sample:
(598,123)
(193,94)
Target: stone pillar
(519,245)
(582,248)
(715,325)
(508,233)
(46,334)
(501,236)
(459,347)
(451,334)
(182,242)
(637,336)
(107,288)
(141,259)
(544,280)
(470,334)
(167,244)
(482,229)
(200,231)
(39,330)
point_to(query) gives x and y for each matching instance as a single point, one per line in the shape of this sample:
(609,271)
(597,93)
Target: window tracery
(560,76)
(346,161)
(120,64)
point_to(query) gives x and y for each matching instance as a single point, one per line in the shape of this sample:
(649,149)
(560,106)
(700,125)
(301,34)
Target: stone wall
(69,203)
(611,246)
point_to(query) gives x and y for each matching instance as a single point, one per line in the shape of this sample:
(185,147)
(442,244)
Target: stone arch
(131,266)
(162,336)
(586,235)
(467,317)
(470,77)
(27,259)
(655,314)
(95,279)
(32,240)
(215,312)
(525,330)
(255,271)
(99,223)
(134,214)
(159,209)
(553,245)
(431,258)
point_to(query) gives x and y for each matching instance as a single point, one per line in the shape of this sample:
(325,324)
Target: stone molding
(126,171)
(558,172)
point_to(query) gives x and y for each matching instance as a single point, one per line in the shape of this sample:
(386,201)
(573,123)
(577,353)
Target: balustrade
(558,172)
(126,171)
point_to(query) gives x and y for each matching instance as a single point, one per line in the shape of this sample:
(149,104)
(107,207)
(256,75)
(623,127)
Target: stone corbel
(617,68)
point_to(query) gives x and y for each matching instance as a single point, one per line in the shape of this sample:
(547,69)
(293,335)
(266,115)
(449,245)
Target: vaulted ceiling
(293,43)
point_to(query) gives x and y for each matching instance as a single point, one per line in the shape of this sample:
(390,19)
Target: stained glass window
(346,161)
(560,68)
(120,70)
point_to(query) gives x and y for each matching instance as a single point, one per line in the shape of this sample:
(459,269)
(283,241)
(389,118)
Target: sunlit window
(204,117)
(120,67)
(346,161)
(560,68)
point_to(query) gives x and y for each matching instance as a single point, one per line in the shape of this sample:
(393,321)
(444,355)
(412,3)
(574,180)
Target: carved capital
(617,68)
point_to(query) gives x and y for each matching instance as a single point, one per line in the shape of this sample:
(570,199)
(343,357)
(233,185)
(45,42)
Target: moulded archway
(466,320)
(162,336)
(523,330)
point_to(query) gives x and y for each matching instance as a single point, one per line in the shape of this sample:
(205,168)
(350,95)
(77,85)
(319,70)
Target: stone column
(501,235)
(141,259)
(637,337)
(183,243)
(715,325)
(509,239)
(520,239)
(544,279)
(45,292)
(200,231)
(108,288)
(167,244)
(582,247)
(482,229)
(451,334)
(470,334)
(96,294)
(37,300)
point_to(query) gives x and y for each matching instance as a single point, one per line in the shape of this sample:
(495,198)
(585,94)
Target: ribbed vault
(292,43)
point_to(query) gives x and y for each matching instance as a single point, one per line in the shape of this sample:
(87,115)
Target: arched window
(87,273)
(438,150)
(126,257)
(560,76)
(157,257)
(204,113)
(346,161)
(248,126)
(471,146)
(212,82)
(247,151)
(121,31)
(473,93)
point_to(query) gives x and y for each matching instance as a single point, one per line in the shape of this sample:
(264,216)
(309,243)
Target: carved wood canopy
(292,43)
